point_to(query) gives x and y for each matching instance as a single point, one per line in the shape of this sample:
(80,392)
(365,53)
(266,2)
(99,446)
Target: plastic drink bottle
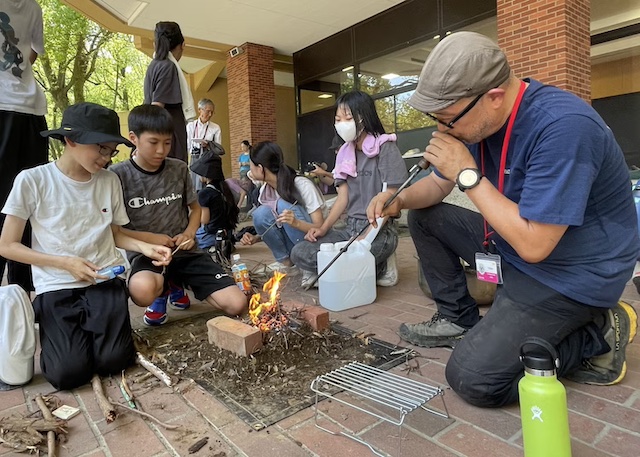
(241,274)
(543,402)
(110,273)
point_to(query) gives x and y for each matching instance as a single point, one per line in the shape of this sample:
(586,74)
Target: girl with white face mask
(368,158)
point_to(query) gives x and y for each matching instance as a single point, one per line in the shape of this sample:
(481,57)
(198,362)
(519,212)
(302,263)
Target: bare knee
(145,287)
(231,300)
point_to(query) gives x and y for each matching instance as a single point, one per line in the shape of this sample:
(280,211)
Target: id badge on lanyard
(489,264)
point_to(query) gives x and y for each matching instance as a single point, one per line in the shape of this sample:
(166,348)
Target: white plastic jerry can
(351,280)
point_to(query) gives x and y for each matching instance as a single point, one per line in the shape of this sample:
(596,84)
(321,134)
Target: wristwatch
(468,178)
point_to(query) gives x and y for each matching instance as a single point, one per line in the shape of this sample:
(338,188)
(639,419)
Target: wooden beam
(204,79)
(145,45)
(143,39)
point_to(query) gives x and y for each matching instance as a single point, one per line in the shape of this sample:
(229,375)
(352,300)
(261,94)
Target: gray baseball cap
(464,64)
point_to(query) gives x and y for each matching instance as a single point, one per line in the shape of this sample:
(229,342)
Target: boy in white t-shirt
(76,210)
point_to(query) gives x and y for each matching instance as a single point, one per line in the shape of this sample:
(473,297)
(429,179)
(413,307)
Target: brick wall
(548,40)
(252,98)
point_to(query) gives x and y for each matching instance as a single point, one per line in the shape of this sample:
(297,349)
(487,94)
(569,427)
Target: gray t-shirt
(388,166)
(161,83)
(157,201)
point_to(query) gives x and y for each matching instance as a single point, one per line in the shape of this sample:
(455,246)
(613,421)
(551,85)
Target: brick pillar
(252,98)
(548,40)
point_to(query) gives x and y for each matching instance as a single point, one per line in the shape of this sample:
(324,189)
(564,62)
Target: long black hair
(363,110)
(269,155)
(167,36)
(230,209)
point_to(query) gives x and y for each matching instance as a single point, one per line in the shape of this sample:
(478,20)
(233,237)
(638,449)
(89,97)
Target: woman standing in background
(166,86)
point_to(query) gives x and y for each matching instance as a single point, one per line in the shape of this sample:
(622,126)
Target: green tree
(85,62)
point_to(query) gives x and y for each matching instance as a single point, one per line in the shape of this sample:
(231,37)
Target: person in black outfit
(219,211)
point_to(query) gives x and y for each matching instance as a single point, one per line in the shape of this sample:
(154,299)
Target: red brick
(385,437)
(234,336)
(316,317)
(557,46)
(468,440)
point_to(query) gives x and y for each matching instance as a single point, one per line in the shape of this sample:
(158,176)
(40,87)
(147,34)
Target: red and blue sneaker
(178,298)
(156,313)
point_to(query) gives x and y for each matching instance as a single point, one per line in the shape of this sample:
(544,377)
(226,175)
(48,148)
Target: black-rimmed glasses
(109,152)
(459,116)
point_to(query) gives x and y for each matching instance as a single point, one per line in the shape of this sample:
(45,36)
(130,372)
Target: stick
(195,447)
(126,392)
(276,221)
(105,405)
(51,435)
(179,246)
(164,268)
(151,368)
(148,416)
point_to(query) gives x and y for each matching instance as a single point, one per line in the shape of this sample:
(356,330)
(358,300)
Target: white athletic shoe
(307,278)
(390,276)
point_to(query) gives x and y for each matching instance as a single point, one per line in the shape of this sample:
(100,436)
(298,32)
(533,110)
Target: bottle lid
(236,257)
(118,270)
(538,354)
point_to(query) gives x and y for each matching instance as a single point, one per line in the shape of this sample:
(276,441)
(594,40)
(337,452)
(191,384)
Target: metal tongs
(423,164)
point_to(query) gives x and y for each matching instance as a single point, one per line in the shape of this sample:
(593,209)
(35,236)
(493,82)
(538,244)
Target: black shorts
(194,268)
(84,331)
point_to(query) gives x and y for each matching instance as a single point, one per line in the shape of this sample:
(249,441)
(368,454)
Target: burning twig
(150,367)
(267,316)
(51,435)
(105,405)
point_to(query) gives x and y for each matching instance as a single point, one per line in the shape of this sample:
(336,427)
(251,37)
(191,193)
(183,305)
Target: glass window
(387,113)
(409,118)
(394,71)
(323,92)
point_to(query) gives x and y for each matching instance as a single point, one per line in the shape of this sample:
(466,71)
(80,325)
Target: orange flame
(257,309)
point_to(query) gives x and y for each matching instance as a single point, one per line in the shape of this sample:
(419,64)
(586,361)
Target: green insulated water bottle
(543,402)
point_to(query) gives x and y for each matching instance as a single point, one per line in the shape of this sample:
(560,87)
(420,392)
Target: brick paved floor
(604,421)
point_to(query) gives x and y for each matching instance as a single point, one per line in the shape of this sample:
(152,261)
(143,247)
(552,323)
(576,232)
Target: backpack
(17,336)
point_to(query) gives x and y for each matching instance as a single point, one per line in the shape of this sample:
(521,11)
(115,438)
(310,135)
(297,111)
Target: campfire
(267,315)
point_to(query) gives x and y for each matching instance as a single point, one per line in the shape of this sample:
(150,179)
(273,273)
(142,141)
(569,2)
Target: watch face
(468,177)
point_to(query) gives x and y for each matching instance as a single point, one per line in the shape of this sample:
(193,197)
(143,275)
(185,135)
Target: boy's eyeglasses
(459,116)
(106,151)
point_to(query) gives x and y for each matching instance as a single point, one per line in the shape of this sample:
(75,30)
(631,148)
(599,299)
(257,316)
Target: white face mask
(347,130)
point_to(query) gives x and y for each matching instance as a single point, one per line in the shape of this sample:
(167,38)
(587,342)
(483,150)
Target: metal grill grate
(393,393)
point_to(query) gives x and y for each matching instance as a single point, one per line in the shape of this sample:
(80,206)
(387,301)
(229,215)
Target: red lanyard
(503,155)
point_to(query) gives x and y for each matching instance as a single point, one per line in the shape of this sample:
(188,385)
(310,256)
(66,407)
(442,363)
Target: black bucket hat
(89,123)
(208,165)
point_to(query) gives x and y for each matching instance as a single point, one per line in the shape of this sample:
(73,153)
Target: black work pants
(484,368)
(83,332)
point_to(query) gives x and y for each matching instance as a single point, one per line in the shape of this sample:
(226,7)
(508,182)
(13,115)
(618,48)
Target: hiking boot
(636,282)
(156,313)
(178,298)
(390,276)
(609,368)
(308,277)
(437,332)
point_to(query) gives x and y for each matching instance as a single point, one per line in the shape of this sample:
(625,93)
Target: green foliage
(85,62)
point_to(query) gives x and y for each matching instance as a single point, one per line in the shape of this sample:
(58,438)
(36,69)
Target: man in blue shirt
(556,228)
